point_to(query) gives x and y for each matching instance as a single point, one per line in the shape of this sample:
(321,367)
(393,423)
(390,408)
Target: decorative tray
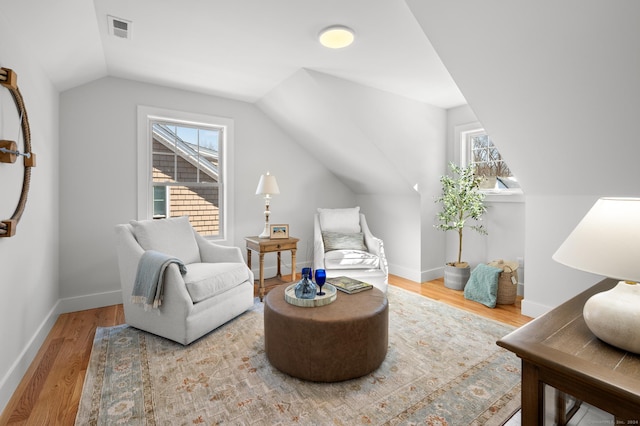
(327,298)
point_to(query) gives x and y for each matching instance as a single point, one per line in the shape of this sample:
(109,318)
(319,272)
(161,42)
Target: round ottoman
(343,340)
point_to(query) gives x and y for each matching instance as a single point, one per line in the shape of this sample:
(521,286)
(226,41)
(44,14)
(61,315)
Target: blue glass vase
(321,277)
(305,289)
(307,271)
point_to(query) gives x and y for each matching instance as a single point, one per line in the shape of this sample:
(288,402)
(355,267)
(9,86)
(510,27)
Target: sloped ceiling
(237,49)
(363,111)
(374,141)
(556,84)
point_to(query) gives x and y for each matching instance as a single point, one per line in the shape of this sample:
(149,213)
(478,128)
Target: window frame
(463,134)
(148,115)
(166,201)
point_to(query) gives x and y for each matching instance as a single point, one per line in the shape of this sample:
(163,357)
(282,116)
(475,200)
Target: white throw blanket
(148,287)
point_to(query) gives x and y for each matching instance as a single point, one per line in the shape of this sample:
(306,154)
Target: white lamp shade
(607,240)
(267,185)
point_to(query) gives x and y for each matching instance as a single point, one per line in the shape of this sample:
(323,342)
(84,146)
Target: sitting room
(239,126)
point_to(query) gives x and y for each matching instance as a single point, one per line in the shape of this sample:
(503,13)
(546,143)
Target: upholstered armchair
(344,246)
(217,286)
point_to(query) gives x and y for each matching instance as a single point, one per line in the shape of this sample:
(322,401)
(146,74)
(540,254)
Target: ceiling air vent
(119,27)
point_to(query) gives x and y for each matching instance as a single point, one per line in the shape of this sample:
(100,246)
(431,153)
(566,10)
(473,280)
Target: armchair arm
(176,297)
(129,253)
(318,245)
(374,244)
(212,253)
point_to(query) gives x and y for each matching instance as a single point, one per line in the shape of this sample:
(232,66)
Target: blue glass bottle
(305,289)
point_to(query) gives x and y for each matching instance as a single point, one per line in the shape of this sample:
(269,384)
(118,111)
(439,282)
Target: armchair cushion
(173,236)
(350,259)
(205,280)
(343,241)
(340,220)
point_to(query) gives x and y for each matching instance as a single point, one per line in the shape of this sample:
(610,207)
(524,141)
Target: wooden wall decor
(9,151)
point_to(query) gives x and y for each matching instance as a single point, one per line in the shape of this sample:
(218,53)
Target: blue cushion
(483,285)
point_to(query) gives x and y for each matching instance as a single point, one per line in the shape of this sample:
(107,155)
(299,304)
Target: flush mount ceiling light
(336,36)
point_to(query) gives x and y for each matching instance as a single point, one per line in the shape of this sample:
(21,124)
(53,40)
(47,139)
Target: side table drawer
(279,247)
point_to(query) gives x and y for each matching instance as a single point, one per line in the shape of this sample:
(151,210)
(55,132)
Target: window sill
(514,196)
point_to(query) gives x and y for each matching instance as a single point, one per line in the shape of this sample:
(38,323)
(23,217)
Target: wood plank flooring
(508,314)
(50,391)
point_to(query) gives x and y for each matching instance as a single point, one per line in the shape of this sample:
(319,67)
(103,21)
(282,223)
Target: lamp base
(266,233)
(614,316)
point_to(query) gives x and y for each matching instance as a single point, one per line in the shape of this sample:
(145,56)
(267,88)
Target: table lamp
(267,186)
(607,242)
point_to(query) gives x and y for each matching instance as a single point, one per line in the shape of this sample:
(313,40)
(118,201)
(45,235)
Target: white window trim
(146,116)
(462,151)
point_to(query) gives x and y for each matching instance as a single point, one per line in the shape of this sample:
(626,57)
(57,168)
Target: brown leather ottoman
(343,340)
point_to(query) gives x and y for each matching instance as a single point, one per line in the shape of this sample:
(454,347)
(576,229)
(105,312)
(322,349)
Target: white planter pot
(456,277)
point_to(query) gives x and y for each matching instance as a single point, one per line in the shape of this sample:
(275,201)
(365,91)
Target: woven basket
(507,290)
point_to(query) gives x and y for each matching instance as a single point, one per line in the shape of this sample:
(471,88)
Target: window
(479,150)
(160,199)
(182,172)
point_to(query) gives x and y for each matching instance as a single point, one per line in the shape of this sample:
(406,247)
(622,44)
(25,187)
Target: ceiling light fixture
(336,36)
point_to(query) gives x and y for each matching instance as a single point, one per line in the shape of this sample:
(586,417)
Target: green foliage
(461,201)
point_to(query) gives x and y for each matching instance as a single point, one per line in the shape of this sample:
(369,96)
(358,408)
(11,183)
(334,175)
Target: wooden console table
(559,350)
(266,245)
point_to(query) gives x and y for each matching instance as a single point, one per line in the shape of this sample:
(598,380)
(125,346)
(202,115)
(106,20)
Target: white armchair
(344,245)
(217,287)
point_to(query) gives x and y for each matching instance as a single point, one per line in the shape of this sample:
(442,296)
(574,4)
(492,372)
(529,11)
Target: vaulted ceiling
(253,51)
(240,49)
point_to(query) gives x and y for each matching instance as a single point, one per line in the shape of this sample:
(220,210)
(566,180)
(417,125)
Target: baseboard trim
(89,301)
(406,273)
(16,373)
(432,274)
(532,309)
(19,368)
(400,271)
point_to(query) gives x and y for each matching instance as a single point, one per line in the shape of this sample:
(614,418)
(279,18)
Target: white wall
(568,91)
(28,260)
(396,220)
(98,179)
(380,145)
(552,218)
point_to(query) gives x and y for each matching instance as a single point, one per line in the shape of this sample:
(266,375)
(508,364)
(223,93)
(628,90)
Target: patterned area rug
(442,368)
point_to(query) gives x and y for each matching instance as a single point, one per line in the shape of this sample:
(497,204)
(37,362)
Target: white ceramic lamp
(267,186)
(607,242)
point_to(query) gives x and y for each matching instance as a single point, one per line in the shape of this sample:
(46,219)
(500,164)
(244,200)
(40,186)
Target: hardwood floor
(508,314)
(50,390)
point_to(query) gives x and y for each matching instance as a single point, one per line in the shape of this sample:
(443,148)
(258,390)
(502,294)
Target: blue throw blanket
(148,286)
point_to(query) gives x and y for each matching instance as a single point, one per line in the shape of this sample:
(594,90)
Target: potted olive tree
(462,207)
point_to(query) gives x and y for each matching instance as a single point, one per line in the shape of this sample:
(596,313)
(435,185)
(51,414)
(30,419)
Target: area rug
(442,368)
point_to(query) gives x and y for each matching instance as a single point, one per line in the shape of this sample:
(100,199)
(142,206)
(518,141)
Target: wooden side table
(558,349)
(266,245)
